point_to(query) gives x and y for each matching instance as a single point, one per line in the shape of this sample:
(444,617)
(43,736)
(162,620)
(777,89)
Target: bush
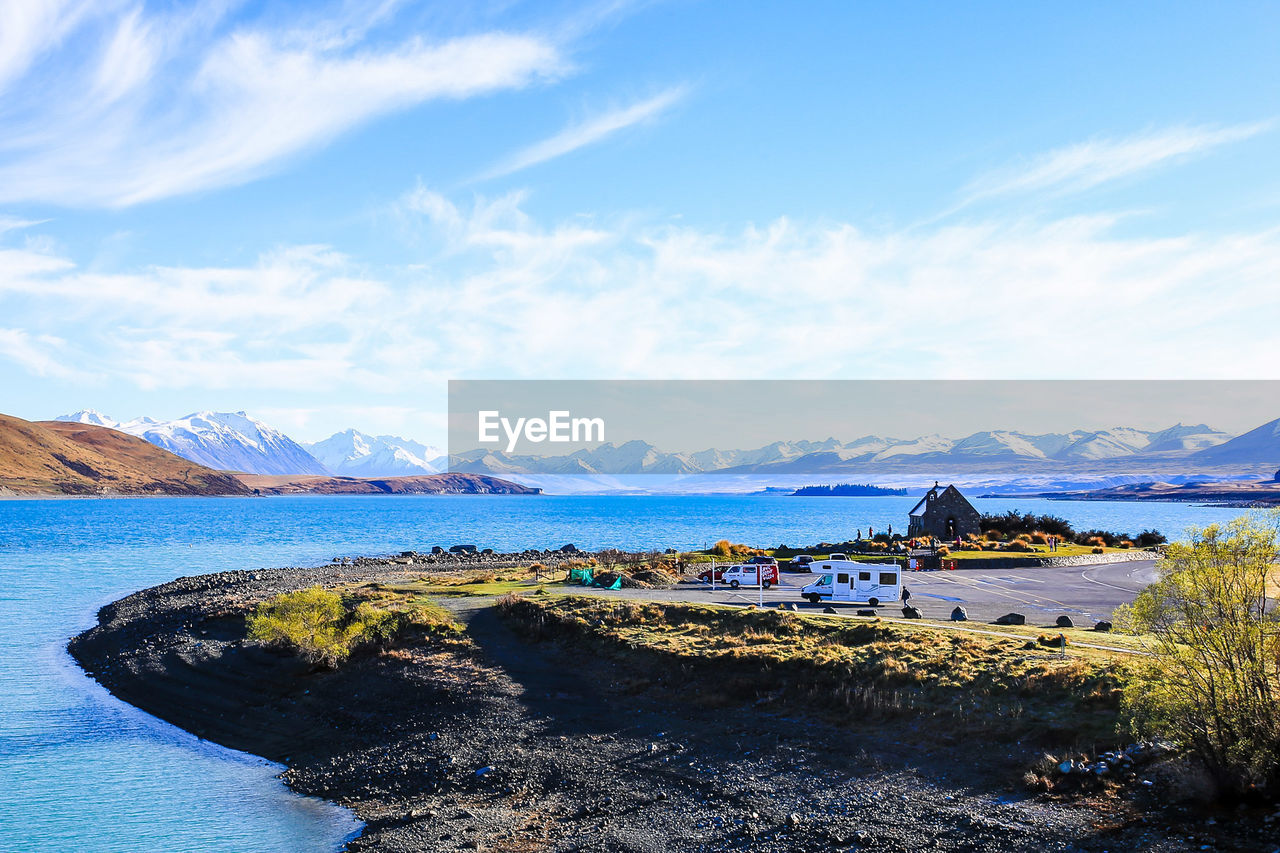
(324,628)
(1097,537)
(1149,539)
(1212,682)
(1013,522)
(1039,537)
(314,622)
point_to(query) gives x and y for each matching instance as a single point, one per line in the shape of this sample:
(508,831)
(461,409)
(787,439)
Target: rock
(437,550)
(829,609)
(1064,621)
(1066,767)
(959,615)
(866,613)
(909,612)
(793,820)
(569,549)
(1102,626)
(483,770)
(791,605)
(462,549)
(1012,619)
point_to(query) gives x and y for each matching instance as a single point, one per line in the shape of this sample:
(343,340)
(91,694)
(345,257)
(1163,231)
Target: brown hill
(426,484)
(54,458)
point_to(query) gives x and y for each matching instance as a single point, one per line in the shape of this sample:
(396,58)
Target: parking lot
(1085,593)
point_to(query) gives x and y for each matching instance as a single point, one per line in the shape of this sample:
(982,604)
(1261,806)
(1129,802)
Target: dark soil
(498,743)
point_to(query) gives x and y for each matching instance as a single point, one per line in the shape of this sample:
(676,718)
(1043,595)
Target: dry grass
(839,664)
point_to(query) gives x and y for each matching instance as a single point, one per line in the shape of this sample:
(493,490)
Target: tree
(1212,681)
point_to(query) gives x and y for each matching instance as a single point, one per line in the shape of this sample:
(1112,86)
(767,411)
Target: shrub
(1019,545)
(1039,537)
(1212,682)
(324,628)
(1150,538)
(1098,549)
(1097,537)
(315,622)
(1013,522)
(943,550)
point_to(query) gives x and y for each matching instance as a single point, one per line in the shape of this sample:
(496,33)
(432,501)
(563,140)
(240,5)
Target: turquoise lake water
(80,770)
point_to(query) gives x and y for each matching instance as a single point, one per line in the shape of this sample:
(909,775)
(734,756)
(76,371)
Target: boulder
(909,612)
(569,549)
(437,550)
(1012,619)
(462,549)
(959,615)
(1064,621)
(1102,626)
(829,609)
(866,613)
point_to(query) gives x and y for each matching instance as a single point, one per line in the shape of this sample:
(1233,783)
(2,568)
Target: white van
(863,583)
(750,575)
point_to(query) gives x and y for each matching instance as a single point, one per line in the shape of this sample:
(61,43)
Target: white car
(862,583)
(838,557)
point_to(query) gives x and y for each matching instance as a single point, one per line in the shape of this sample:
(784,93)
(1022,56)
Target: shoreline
(498,743)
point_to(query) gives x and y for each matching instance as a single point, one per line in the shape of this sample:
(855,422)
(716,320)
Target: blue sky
(321,213)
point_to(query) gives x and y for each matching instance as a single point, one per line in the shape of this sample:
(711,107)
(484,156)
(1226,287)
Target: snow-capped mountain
(355,454)
(1050,452)
(225,441)
(1260,443)
(88,416)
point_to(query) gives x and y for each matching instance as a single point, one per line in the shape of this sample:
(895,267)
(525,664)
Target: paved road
(1085,593)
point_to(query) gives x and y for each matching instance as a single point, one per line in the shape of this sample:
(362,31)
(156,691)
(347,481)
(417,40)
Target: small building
(945,514)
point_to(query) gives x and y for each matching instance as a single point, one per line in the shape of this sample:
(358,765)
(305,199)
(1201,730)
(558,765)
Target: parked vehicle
(750,575)
(838,557)
(761,560)
(864,583)
(801,563)
(705,574)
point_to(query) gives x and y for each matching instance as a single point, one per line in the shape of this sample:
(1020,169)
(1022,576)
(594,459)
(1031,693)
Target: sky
(322,212)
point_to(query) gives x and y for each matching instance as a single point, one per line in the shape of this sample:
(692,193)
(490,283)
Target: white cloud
(498,293)
(589,132)
(36,354)
(172,104)
(1088,164)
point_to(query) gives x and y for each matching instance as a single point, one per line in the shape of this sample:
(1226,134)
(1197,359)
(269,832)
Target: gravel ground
(507,745)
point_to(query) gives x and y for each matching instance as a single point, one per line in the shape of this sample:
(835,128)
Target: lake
(80,770)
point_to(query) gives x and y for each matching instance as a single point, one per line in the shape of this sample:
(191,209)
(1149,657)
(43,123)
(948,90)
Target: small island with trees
(846,490)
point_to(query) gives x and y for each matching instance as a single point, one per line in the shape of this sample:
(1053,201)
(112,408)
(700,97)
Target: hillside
(55,458)
(427,484)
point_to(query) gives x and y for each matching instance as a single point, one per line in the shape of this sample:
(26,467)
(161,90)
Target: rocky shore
(493,742)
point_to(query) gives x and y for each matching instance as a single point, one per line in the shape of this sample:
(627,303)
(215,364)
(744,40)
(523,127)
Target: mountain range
(234,441)
(1077,459)
(56,458)
(981,448)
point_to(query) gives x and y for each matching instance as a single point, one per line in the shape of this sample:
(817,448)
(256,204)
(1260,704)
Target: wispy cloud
(150,105)
(1088,164)
(503,293)
(588,132)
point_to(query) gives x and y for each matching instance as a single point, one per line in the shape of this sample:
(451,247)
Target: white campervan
(863,583)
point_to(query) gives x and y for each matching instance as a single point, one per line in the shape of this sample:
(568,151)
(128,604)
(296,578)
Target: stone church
(944,513)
